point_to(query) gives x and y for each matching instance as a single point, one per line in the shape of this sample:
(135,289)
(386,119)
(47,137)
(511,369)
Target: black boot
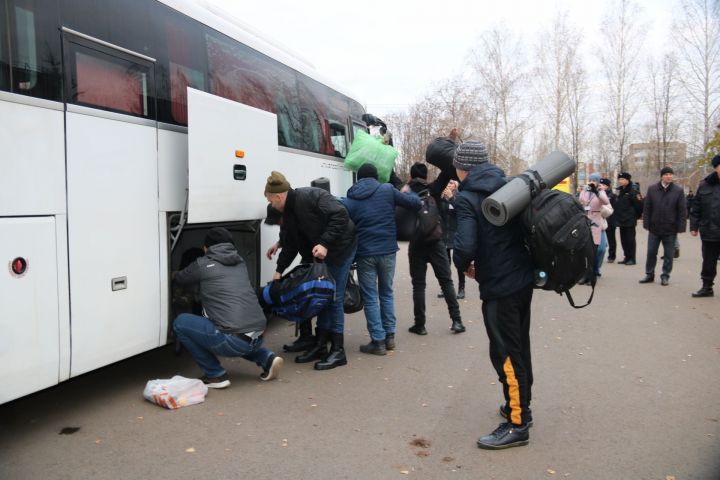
(418,328)
(336,358)
(375,347)
(457,326)
(705,291)
(305,341)
(390,341)
(318,351)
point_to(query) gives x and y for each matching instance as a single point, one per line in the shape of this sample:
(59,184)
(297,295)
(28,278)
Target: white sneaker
(276,364)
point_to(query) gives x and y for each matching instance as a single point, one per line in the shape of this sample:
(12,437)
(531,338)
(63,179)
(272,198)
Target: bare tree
(556,55)
(663,75)
(623,36)
(576,94)
(697,33)
(499,63)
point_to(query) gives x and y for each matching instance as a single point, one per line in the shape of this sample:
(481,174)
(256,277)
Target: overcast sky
(389,53)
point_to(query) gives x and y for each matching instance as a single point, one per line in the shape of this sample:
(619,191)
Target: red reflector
(19,265)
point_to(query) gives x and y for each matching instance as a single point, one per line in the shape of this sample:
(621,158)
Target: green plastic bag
(368,149)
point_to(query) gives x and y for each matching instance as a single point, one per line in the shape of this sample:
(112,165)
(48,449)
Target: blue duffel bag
(301,293)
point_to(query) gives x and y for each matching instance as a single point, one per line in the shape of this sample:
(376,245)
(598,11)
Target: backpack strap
(592,293)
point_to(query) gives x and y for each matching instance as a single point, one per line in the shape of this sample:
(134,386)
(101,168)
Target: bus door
(112,202)
(232,148)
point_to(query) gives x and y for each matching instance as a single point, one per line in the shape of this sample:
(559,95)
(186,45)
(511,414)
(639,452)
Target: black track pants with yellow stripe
(507,321)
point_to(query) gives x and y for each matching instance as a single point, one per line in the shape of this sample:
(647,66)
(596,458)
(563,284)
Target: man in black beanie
(234,323)
(497,258)
(705,219)
(663,217)
(421,252)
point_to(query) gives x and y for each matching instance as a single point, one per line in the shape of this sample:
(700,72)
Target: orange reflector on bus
(239,154)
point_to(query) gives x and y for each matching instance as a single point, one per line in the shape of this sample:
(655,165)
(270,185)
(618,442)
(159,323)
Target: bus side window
(186,63)
(117,82)
(4,49)
(36,64)
(337,136)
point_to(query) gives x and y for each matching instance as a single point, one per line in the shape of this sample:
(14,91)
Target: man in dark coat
(663,217)
(498,259)
(318,226)
(371,206)
(233,322)
(628,207)
(705,218)
(420,254)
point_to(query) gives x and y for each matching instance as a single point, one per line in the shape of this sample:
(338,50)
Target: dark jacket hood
(224,253)
(364,188)
(417,185)
(486,179)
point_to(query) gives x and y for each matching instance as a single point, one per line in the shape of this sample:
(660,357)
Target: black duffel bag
(353,299)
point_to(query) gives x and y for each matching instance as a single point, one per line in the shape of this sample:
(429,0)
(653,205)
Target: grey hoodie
(227,297)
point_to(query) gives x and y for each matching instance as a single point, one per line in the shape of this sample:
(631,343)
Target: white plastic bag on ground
(175,392)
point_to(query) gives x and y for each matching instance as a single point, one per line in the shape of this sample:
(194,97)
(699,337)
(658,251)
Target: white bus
(127,129)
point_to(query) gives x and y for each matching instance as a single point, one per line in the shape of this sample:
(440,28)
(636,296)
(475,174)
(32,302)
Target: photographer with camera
(628,208)
(592,199)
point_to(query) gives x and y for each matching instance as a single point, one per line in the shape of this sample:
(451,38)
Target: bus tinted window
(186,64)
(111,82)
(239,73)
(35,49)
(315,123)
(4,50)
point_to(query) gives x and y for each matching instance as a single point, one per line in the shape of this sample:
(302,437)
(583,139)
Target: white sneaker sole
(218,385)
(274,369)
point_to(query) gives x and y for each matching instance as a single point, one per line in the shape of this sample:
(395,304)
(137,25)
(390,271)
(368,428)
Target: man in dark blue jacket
(372,208)
(503,269)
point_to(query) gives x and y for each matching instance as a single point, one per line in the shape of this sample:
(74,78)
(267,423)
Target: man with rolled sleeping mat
(497,258)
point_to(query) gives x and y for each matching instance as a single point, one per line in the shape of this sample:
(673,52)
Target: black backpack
(560,241)
(423,226)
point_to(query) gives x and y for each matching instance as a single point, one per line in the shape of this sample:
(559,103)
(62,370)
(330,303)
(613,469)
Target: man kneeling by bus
(233,323)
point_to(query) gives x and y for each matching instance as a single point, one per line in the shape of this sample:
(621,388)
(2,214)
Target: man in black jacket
(420,253)
(628,207)
(705,218)
(318,226)
(503,269)
(663,217)
(233,322)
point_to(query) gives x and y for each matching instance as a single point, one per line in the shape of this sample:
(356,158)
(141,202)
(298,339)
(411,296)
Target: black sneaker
(505,413)
(272,369)
(216,382)
(647,279)
(375,347)
(390,341)
(611,260)
(440,295)
(418,329)
(505,436)
(630,262)
(664,281)
(677,253)
(457,327)
(461,294)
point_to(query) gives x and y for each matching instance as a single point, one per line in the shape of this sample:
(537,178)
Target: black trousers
(612,242)
(710,254)
(461,275)
(668,243)
(419,255)
(627,239)
(507,321)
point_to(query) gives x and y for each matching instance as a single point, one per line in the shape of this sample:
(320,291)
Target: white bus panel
(114,239)
(29,317)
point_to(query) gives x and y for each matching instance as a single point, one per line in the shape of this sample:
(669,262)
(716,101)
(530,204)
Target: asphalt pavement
(627,388)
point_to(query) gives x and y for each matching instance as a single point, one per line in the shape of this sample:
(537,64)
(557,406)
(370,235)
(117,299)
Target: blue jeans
(375,275)
(600,254)
(332,317)
(654,241)
(205,343)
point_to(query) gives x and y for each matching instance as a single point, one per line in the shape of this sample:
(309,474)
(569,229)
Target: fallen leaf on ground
(550,471)
(190,450)
(448,459)
(670,477)
(421,442)
(405,472)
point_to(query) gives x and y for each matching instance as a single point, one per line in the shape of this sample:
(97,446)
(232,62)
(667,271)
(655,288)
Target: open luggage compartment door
(232,148)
